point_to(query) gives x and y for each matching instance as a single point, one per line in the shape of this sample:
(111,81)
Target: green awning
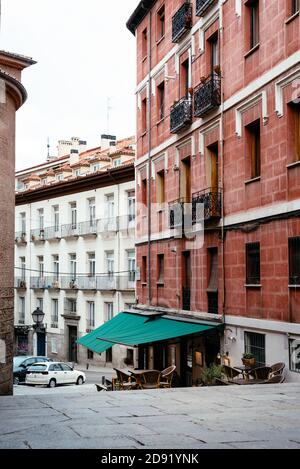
(135,329)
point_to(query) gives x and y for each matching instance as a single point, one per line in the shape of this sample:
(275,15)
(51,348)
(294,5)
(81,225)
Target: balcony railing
(211,200)
(43,283)
(126,222)
(54,322)
(70,231)
(37,235)
(53,232)
(87,283)
(182,21)
(178,210)
(180,115)
(207,95)
(202,6)
(107,282)
(127,282)
(20,238)
(186,299)
(20,283)
(69,283)
(38,283)
(21,320)
(88,228)
(108,225)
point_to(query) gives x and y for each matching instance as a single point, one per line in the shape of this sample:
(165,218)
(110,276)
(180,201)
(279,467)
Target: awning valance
(135,329)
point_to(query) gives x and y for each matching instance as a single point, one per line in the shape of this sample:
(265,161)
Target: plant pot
(249,361)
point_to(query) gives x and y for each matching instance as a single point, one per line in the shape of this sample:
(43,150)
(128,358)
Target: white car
(53,373)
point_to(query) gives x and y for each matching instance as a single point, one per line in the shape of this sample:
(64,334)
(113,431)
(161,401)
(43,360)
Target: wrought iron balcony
(202,6)
(180,215)
(43,283)
(52,233)
(186,299)
(88,228)
(21,320)
(38,235)
(38,283)
(211,200)
(127,282)
(126,222)
(108,225)
(69,283)
(182,21)
(20,238)
(107,282)
(180,115)
(20,283)
(70,231)
(86,283)
(207,95)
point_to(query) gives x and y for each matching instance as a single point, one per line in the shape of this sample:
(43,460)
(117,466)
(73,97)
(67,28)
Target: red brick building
(218,127)
(12,96)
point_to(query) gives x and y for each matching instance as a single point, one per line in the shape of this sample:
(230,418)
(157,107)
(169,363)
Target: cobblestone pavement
(263,416)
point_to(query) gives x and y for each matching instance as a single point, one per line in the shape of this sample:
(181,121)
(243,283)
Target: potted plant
(249,359)
(210,374)
(203,79)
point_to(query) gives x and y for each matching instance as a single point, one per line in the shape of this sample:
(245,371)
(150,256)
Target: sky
(86,59)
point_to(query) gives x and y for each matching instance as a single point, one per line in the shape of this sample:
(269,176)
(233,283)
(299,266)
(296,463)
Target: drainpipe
(149,159)
(222,164)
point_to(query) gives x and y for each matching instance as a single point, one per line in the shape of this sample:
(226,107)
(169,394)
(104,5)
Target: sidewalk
(259,416)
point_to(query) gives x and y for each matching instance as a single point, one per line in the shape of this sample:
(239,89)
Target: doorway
(41,344)
(73,336)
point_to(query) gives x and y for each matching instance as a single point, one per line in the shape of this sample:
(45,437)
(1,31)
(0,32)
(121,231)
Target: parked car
(52,374)
(21,365)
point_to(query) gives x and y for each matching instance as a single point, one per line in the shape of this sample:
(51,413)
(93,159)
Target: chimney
(74,156)
(82,146)
(106,141)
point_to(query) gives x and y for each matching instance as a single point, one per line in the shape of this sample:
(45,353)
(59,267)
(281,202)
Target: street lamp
(38,317)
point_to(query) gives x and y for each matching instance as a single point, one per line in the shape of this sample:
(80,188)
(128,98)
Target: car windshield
(37,368)
(18,361)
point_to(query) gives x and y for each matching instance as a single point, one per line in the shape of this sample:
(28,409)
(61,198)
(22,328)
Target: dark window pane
(294,261)
(253,263)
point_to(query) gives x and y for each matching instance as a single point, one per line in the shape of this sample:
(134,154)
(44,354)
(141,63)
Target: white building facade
(75,258)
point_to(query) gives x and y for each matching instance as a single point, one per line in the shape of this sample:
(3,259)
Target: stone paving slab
(204,418)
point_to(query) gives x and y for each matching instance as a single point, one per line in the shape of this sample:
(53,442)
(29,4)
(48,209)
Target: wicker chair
(151,379)
(275,379)
(230,372)
(261,373)
(277,369)
(166,377)
(124,381)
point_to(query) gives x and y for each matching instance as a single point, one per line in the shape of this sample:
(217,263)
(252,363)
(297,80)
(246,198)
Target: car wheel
(79,381)
(52,383)
(16,380)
